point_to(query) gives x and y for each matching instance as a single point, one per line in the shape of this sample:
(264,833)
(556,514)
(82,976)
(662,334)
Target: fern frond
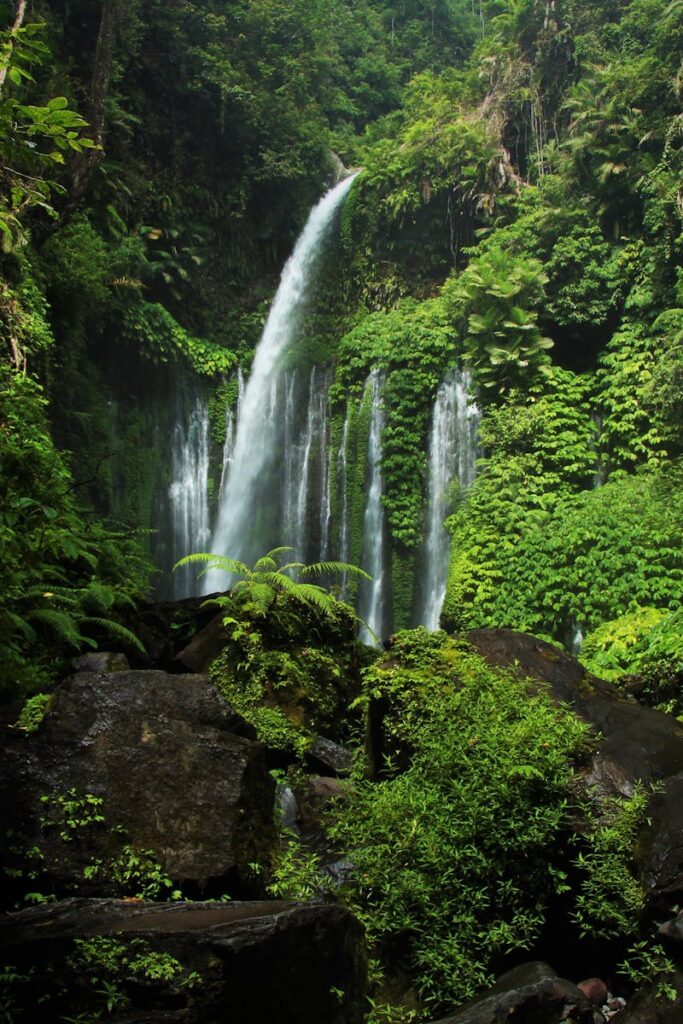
(99,595)
(229,565)
(291,565)
(117,629)
(334,569)
(314,596)
(67,597)
(276,552)
(265,564)
(21,625)
(261,595)
(62,625)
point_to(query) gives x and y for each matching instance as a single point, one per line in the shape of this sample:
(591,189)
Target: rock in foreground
(169,774)
(531,993)
(195,963)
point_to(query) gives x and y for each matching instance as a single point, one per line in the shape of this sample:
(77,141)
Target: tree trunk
(87,162)
(18,22)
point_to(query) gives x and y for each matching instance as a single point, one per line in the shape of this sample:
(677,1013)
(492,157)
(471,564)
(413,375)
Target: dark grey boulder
(206,645)
(164,755)
(247,963)
(101,661)
(637,743)
(532,993)
(661,847)
(331,756)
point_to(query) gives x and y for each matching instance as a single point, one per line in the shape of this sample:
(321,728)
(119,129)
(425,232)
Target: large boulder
(636,742)
(532,993)
(661,847)
(195,963)
(133,763)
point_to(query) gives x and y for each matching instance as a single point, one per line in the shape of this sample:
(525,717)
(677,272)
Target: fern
(262,582)
(62,624)
(117,629)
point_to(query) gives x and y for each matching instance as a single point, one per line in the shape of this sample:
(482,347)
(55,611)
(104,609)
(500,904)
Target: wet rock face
(531,994)
(661,849)
(249,963)
(173,766)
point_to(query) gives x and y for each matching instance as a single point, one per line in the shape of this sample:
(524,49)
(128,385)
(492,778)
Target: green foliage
(648,963)
(612,649)
(112,965)
(71,812)
(268,578)
(64,576)
(33,712)
(540,448)
(594,556)
(413,346)
(431,172)
(297,874)
(158,336)
(35,139)
(630,430)
(643,651)
(454,848)
(68,819)
(611,897)
(289,670)
(496,295)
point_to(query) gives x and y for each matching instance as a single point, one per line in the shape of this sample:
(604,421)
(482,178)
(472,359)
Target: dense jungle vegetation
(519,213)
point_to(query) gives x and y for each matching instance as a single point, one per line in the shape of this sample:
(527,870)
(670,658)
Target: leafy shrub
(64,575)
(291,670)
(497,296)
(613,648)
(158,336)
(611,897)
(456,847)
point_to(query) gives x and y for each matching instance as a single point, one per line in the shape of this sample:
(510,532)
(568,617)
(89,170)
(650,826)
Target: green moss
(402,585)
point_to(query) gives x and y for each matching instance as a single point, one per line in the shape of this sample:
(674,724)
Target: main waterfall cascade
(294,472)
(452,459)
(243,524)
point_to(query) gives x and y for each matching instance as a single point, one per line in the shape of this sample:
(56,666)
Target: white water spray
(249,482)
(452,456)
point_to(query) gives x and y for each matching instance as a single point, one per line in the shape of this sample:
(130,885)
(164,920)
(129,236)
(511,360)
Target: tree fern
(262,582)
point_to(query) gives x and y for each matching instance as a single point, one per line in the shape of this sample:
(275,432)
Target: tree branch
(19,16)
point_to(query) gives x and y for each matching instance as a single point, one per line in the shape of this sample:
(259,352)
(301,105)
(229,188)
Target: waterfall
(372,597)
(232,415)
(342,478)
(342,484)
(317,400)
(452,456)
(247,516)
(188,491)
